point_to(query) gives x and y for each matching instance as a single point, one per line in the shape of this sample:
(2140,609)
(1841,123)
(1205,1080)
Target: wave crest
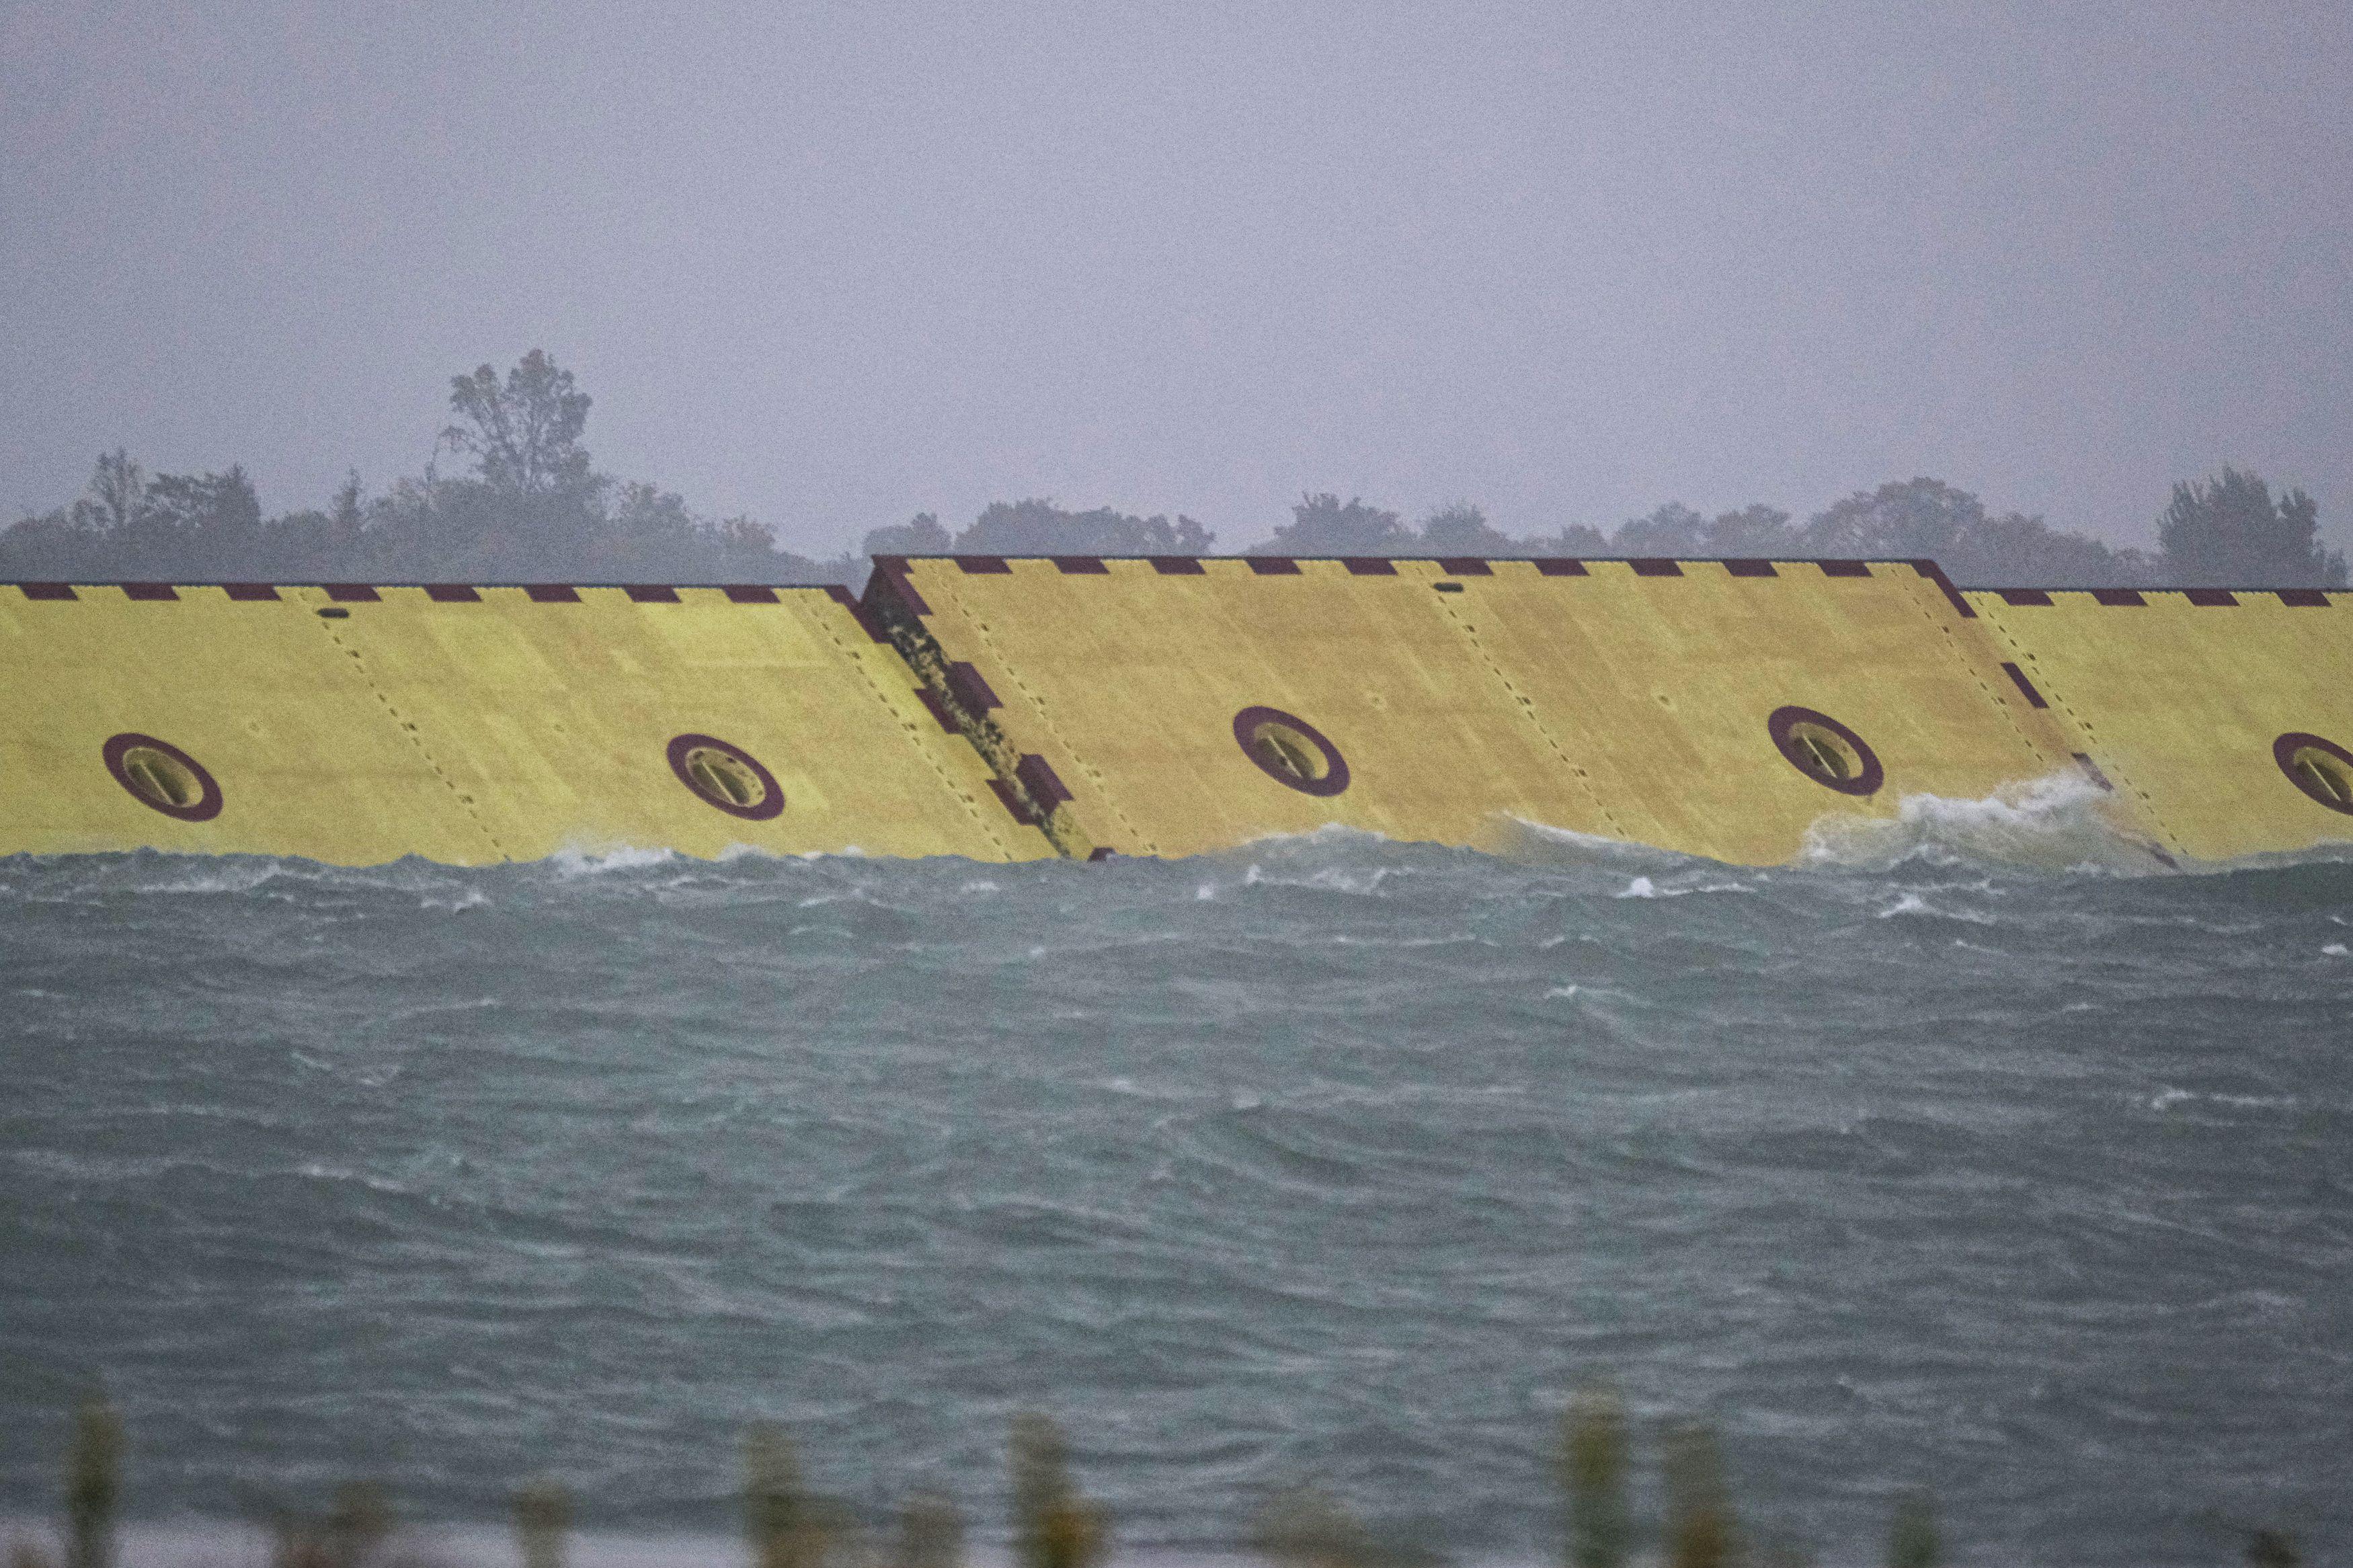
(2061,823)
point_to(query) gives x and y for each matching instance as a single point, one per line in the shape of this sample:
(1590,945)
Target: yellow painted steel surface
(1627,700)
(306,761)
(1629,704)
(1128,682)
(491,728)
(1663,686)
(2180,703)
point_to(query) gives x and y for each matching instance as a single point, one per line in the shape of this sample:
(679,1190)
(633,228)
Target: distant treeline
(532,507)
(2227,531)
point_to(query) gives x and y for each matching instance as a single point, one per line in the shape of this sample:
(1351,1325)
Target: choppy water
(1334,1159)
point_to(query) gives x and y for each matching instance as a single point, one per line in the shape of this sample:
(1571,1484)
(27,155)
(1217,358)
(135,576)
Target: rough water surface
(1334,1159)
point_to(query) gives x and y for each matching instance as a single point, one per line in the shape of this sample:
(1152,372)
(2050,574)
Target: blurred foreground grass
(1054,1525)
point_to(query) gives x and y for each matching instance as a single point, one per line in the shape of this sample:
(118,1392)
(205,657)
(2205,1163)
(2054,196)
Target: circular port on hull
(161,777)
(1825,751)
(2320,768)
(1290,750)
(726,776)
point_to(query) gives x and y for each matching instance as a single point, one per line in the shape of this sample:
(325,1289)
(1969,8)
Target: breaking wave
(2062,823)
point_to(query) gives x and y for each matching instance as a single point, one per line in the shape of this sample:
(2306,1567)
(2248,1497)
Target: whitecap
(593,863)
(1527,839)
(319,1172)
(1912,903)
(1644,887)
(2170,1096)
(2059,822)
(1354,880)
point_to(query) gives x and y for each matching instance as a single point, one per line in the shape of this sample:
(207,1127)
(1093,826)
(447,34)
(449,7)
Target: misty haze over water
(827,269)
(531,506)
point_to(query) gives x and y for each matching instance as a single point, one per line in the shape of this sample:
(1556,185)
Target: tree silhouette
(1320,525)
(1459,528)
(523,436)
(118,488)
(1897,522)
(1037,527)
(920,535)
(2229,531)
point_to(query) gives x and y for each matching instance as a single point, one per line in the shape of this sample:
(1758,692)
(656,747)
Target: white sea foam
(1682,886)
(1361,881)
(598,862)
(2058,824)
(145,872)
(1913,903)
(1524,839)
(2170,1097)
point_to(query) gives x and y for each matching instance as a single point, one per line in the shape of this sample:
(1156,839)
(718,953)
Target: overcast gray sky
(831,265)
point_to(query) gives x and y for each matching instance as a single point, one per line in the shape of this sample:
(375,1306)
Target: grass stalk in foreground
(1701,1531)
(94,1485)
(1054,1525)
(1593,1464)
(931,1534)
(1912,1540)
(543,1519)
(777,1511)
